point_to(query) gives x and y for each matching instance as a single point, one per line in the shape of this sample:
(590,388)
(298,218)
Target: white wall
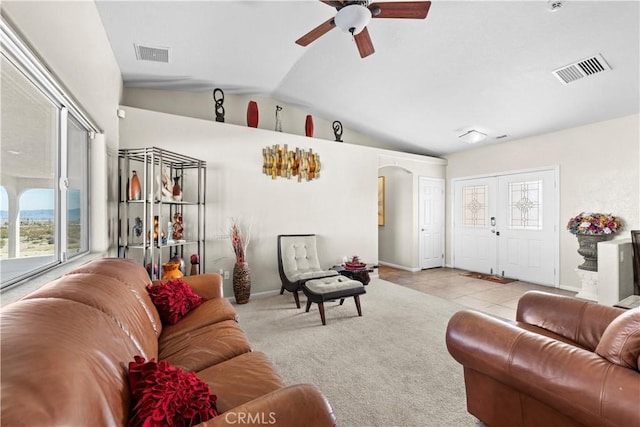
(340,207)
(599,172)
(396,235)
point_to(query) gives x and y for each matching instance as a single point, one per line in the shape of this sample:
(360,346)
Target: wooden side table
(361,275)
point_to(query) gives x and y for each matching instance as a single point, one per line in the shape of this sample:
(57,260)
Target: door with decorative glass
(508,225)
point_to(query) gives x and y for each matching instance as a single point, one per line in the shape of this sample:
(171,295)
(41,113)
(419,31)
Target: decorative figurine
(137,228)
(219,107)
(278,119)
(337,130)
(177,226)
(167,186)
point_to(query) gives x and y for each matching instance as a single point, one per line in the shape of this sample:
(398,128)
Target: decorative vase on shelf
(588,249)
(177,191)
(241,282)
(195,260)
(134,187)
(252,114)
(308,126)
(171,270)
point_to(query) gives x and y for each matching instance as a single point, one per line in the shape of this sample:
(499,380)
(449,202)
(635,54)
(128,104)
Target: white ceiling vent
(584,68)
(152,53)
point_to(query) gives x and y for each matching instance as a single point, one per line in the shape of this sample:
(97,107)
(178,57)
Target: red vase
(252,114)
(134,187)
(308,126)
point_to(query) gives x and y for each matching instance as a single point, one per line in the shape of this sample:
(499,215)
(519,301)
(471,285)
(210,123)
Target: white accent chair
(298,262)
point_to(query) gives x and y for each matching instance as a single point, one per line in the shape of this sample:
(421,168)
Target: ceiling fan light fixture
(472,136)
(353,18)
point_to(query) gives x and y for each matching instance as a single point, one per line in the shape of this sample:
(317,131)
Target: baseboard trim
(399,267)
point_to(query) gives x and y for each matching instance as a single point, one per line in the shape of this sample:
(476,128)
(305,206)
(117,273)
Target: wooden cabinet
(165,217)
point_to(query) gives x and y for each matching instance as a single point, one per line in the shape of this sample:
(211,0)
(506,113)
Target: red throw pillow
(167,396)
(173,299)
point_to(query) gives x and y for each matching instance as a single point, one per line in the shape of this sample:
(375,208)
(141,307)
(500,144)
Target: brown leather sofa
(66,349)
(563,362)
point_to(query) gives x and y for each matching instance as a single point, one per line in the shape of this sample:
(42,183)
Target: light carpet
(389,367)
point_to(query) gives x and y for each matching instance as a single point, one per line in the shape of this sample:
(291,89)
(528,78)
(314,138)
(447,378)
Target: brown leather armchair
(563,362)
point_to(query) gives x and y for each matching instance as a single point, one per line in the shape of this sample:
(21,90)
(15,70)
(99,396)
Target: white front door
(475,244)
(431,218)
(508,225)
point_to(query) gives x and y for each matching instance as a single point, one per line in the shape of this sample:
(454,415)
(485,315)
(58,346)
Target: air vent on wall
(152,53)
(584,68)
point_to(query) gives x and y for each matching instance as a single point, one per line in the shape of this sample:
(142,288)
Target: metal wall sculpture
(280,162)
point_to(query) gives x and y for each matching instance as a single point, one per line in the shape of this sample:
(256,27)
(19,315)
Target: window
(525,205)
(475,212)
(44,175)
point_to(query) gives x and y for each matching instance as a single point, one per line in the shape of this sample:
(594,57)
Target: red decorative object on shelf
(308,126)
(252,114)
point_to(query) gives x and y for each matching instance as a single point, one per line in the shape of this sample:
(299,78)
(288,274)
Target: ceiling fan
(353,17)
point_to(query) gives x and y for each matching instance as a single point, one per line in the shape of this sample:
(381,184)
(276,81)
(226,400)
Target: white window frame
(24,59)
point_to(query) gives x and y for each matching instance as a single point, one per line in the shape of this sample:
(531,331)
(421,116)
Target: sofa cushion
(173,299)
(205,346)
(63,364)
(225,377)
(131,274)
(620,342)
(211,311)
(166,395)
(114,298)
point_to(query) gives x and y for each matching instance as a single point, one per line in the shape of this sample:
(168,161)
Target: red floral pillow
(173,299)
(167,396)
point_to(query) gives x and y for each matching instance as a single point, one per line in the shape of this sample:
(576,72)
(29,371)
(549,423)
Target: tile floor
(447,283)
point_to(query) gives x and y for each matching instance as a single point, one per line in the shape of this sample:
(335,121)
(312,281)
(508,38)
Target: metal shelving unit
(148,246)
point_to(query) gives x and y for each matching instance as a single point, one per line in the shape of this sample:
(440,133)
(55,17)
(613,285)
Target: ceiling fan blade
(336,4)
(402,9)
(364,43)
(316,32)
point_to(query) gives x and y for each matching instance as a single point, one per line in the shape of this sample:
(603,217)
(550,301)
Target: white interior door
(431,218)
(508,225)
(475,244)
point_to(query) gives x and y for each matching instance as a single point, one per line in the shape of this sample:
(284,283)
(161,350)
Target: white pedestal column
(589,280)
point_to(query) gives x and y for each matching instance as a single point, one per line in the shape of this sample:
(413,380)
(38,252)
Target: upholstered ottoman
(332,288)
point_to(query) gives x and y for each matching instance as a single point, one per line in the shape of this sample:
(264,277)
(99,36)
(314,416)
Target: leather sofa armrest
(574,381)
(208,286)
(580,321)
(293,406)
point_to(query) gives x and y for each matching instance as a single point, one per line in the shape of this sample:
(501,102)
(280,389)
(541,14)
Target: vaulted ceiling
(477,65)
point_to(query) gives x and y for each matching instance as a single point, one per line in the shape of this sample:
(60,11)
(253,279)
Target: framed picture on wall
(381,200)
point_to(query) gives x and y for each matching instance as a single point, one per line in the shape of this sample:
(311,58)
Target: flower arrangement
(239,240)
(594,223)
